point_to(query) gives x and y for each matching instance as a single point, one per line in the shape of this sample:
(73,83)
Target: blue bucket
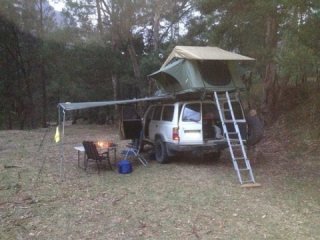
(124,167)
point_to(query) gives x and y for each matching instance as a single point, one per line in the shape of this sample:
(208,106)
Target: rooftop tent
(192,68)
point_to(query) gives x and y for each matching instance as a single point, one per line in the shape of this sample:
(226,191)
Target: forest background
(104,49)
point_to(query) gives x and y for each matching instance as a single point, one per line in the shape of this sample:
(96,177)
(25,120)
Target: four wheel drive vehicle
(201,79)
(184,126)
(191,121)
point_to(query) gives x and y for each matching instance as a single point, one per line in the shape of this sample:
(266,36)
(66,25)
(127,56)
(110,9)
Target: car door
(130,123)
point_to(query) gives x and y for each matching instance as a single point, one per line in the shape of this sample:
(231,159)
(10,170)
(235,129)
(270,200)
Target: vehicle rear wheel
(161,151)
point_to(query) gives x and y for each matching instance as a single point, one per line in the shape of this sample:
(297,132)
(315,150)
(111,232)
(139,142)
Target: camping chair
(133,150)
(93,154)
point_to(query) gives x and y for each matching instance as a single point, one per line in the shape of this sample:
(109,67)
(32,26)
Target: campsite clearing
(190,198)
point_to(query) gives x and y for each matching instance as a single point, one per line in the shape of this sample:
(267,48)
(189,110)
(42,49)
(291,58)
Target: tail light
(175,134)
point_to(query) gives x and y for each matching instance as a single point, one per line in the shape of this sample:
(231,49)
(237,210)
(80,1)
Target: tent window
(215,72)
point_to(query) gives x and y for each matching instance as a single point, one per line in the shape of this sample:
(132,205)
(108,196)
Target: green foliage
(296,60)
(43,63)
(150,63)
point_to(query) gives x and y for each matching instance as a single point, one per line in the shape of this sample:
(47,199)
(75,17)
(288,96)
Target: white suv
(187,126)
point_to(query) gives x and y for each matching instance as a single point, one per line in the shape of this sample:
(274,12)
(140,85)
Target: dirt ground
(190,198)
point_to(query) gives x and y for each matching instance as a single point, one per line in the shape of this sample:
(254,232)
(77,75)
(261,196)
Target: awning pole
(61,142)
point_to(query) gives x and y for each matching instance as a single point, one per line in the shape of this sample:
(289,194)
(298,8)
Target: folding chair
(93,154)
(133,150)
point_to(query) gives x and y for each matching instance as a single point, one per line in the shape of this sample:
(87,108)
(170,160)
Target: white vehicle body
(182,126)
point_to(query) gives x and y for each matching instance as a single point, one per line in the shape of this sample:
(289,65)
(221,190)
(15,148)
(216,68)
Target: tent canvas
(189,69)
(204,53)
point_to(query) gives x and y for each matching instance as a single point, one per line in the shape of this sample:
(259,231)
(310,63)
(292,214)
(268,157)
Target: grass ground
(190,198)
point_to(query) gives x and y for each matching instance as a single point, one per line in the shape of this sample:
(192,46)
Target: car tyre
(161,151)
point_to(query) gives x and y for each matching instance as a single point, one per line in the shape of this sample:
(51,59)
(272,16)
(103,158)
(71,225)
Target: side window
(191,113)
(157,113)
(167,114)
(237,110)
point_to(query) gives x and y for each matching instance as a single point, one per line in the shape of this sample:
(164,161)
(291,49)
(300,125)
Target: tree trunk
(99,17)
(136,69)
(114,79)
(134,61)
(42,73)
(156,27)
(270,78)
(269,84)
(9,117)
(318,78)
(44,94)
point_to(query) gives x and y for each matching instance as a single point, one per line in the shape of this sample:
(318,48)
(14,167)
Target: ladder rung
(223,97)
(235,145)
(234,139)
(239,158)
(244,169)
(248,181)
(237,121)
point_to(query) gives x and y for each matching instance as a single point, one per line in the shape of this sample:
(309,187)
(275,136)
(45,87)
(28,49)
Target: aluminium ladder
(237,149)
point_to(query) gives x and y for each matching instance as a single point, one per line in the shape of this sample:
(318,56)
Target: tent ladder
(236,145)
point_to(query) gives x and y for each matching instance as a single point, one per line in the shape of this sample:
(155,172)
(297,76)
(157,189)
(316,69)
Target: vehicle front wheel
(161,151)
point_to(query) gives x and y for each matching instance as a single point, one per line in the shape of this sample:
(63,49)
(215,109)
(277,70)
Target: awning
(204,53)
(68,106)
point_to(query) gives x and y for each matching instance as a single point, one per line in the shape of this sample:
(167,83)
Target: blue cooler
(124,167)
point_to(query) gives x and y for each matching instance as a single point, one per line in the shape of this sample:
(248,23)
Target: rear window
(215,72)
(167,114)
(157,113)
(191,113)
